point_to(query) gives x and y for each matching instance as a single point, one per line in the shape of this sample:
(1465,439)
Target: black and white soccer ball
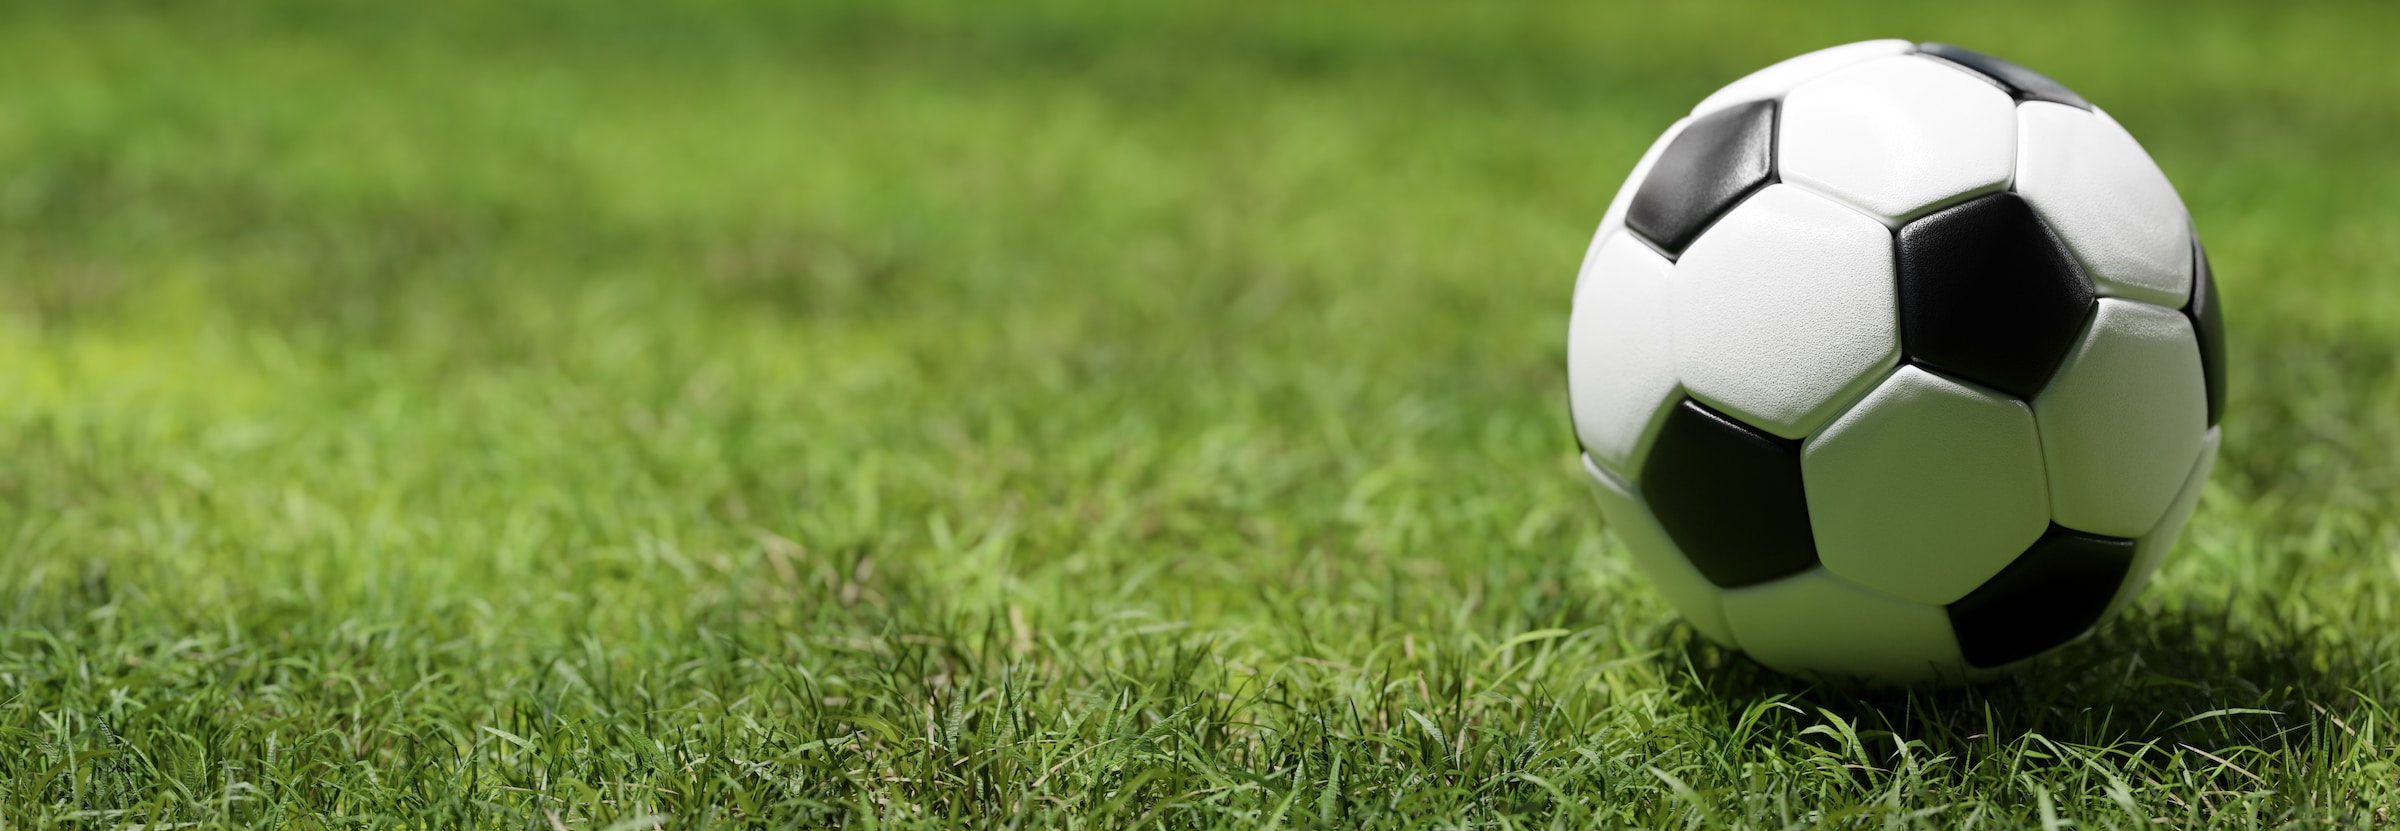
(1896,363)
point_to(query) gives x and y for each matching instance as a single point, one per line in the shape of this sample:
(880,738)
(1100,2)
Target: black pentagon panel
(2209,321)
(1716,161)
(1730,497)
(1989,294)
(2024,84)
(2053,592)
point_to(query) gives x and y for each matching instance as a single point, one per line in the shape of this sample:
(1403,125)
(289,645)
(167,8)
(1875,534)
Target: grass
(889,414)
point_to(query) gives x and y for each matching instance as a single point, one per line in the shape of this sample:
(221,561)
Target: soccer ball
(1896,363)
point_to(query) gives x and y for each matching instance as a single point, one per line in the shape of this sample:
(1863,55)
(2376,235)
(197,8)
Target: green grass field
(546,416)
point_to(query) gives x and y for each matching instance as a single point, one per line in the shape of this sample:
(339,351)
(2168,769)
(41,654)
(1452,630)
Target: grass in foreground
(888,414)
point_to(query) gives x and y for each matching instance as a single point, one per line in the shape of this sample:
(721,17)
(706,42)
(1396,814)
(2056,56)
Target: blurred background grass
(1061,413)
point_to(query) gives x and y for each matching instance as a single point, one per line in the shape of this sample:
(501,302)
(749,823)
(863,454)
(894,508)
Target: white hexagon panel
(1774,81)
(1783,311)
(2124,419)
(1657,557)
(1926,488)
(1807,623)
(2107,200)
(1898,136)
(1620,362)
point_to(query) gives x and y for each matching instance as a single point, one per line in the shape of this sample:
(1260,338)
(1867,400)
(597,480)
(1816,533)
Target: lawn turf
(549,416)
